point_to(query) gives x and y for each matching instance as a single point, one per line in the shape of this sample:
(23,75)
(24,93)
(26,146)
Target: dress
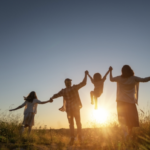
(30,111)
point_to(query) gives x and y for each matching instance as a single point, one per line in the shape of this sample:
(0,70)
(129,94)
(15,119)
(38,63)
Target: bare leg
(29,130)
(92,94)
(95,98)
(22,129)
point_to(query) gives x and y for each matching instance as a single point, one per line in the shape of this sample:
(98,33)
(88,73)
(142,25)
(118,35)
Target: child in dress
(98,82)
(31,102)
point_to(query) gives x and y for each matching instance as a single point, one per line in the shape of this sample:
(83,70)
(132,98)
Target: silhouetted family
(127,98)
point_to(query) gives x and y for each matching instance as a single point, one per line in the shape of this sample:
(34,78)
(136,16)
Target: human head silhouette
(97,77)
(127,71)
(68,82)
(31,96)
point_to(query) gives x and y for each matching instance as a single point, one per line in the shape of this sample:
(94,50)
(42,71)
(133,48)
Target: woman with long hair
(30,104)
(127,97)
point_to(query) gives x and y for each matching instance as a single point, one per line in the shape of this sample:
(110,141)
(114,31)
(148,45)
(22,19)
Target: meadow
(107,136)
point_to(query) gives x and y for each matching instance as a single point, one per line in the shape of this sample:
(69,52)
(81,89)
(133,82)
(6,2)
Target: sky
(44,42)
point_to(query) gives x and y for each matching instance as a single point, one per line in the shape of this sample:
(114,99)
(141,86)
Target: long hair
(30,97)
(127,71)
(97,77)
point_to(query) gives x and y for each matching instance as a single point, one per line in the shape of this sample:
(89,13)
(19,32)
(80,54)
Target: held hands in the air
(110,68)
(86,72)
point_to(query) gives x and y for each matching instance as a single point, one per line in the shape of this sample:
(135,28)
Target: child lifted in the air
(98,82)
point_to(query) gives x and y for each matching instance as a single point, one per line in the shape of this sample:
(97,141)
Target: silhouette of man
(73,105)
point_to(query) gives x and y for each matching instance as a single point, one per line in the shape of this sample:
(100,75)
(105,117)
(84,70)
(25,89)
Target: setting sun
(100,115)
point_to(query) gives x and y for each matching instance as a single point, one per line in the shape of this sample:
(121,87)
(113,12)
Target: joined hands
(51,100)
(86,72)
(110,68)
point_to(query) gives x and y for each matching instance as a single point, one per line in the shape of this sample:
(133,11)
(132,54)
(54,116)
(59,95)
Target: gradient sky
(44,42)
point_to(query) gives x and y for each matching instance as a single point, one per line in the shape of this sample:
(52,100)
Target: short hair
(127,71)
(97,77)
(66,80)
(31,97)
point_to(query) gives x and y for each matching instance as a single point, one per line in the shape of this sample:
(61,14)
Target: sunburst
(100,115)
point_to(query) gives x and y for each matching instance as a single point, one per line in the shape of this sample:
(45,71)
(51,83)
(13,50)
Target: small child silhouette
(98,82)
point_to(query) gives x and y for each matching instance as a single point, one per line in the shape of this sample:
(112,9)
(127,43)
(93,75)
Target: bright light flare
(100,115)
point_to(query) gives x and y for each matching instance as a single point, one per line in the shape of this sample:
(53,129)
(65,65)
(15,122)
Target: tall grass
(104,137)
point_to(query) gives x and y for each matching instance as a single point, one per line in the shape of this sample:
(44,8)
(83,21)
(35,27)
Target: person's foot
(71,142)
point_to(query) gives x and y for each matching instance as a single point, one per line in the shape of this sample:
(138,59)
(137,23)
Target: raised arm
(90,78)
(18,107)
(111,77)
(83,83)
(106,75)
(85,77)
(138,79)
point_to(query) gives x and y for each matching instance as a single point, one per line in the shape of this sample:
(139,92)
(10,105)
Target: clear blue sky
(44,42)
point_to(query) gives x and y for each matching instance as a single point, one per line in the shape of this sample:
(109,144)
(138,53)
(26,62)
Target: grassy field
(98,137)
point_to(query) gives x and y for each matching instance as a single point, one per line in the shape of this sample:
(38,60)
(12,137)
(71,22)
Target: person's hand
(86,72)
(110,68)
(51,100)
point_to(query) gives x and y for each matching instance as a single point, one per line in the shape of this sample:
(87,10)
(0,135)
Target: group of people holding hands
(127,98)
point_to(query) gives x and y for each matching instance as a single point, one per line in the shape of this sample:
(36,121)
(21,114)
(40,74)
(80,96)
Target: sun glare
(100,115)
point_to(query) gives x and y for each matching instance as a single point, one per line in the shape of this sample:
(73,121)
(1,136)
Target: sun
(100,115)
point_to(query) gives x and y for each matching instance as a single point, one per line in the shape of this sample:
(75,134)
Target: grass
(98,137)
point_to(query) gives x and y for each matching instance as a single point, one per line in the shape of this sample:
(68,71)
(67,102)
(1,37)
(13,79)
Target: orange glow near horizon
(100,115)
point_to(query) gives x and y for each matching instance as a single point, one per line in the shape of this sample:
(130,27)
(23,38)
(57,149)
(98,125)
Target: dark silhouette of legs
(71,126)
(74,114)
(78,123)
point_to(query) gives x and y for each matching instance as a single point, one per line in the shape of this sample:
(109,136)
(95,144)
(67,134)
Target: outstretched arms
(44,102)
(138,79)
(59,94)
(40,102)
(18,107)
(78,86)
